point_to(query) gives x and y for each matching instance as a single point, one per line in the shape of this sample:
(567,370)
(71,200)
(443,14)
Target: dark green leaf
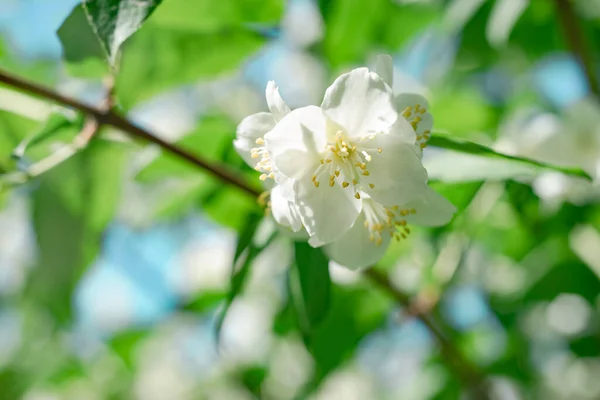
(114,21)
(125,345)
(465,146)
(206,301)
(79,42)
(315,282)
(245,253)
(253,377)
(355,312)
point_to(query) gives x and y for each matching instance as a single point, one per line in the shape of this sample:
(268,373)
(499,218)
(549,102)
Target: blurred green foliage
(516,247)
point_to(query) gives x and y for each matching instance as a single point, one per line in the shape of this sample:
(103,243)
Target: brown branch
(463,368)
(110,117)
(107,116)
(577,42)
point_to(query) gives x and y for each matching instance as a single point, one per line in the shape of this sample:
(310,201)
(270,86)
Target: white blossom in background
(571,139)
(349,172)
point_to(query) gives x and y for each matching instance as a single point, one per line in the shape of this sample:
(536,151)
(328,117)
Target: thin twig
(108,116)
(464,369)
(577,42)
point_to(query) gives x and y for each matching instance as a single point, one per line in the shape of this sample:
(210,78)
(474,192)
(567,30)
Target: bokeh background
(115,265)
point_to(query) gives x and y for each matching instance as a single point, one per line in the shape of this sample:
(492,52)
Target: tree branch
(472,377)
(577,42)
(110,117)
(107,116)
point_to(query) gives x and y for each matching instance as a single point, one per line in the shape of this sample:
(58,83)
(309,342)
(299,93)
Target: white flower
(348,172)
(353,144)
(379,222)
(571,140)
(249,142)
(412,106)
(368,239)
(250,145)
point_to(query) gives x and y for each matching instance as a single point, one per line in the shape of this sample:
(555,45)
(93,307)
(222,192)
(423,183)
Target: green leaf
(125,345)
(315,282)
(465,146)
(71,208)
(157,59)
(351,29)
(212,140)
(208,16)
(114,21)
(79,42)
(13,128)
(245,253)
(205,302)
(212,136)
(238,275)
(405,21)
(355,312)
(55,124)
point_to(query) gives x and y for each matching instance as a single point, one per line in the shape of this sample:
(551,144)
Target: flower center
(264,164)
(381,220)
(344,162)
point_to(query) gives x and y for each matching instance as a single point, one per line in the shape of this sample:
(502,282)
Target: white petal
(396,173)
(404,131)
(251,128)
(285,212)
(361,103)
(384,67)
(326,212)
(296,142)
(354,250)
(275,102)
(425,125)
(404,100)
(432,208)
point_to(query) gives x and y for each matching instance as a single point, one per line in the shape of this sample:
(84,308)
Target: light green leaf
(114,21)
(212,136)
(245,253)
(352,28)
(55,124)
(71,208)
(208,16)
(13,128)
(315,282)
(158,59)
(229,207)
(467,147)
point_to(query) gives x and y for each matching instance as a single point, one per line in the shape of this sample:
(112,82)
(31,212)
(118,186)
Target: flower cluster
(349,172)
